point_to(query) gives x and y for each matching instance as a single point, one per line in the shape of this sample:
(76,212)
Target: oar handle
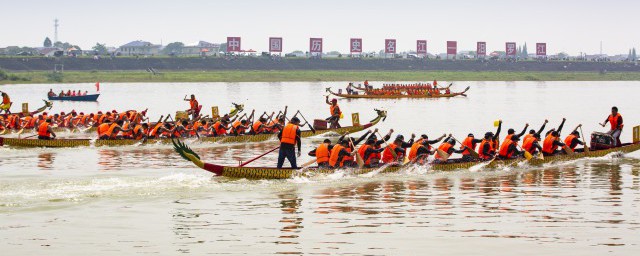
(258,157)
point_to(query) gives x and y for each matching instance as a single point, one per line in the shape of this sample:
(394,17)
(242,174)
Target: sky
(566,26)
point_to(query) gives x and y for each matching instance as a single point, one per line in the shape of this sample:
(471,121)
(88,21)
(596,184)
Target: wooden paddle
(305,120)
(308,163)
(527,155)
(586,147)
(359,160)
(443,155)
(393,152)
(258,157)
(471,151)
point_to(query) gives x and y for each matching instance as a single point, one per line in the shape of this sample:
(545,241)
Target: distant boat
(88,97)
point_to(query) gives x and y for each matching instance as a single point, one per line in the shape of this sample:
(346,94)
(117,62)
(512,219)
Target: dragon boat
(396,96)
(600,144)
(65,143)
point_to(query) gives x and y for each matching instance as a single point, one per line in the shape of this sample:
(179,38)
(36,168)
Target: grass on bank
(313,75)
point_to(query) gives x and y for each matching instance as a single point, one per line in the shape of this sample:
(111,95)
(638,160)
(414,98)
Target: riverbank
(44,77)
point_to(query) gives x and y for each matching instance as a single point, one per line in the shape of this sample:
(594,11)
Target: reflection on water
(45,161)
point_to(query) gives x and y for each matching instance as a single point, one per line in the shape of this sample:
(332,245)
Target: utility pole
(55,35)
(600,48)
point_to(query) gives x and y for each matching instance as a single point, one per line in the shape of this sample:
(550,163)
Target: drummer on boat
(6,103)
(194,107)
(289,137)
(615,119)
(335,113)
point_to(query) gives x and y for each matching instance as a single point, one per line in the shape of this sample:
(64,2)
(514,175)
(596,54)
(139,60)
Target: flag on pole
(98,86)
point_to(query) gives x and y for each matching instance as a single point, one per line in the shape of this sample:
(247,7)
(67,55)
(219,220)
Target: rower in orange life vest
(509,148)
(552,141)
(194,107)
(45,132)
(395,152)
(140,131)
(573,140)
(422,148)
(469,144)
(180,130)
(239,127)
(371,152)
(260,126)
(448,146)
(322,153)
(615,119)
(335,113)
(289,138)
(531,144)
(349,160)
(339,154)
(6,103)
(116,128)
(366,84)
(512,132)
(486,150)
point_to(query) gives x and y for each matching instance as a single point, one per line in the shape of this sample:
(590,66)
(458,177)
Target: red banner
(481,49)
(233,44)
(452,47)
(355,45)
(275,44)
(541,49)
(510,49)
(421,47)
(315,45)
(389,46)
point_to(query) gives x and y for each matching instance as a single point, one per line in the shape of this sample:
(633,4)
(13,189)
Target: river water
(147,200)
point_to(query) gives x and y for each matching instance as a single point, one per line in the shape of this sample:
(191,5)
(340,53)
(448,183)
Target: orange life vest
(238,128)
(112,133)
(528,144)
(138,131)
(5,99)
(333,157)
(529,135)
(444,147)
(333,109)
(468,142)
(257,127)
(548,146)
(43,130)
(322,153)
(362,150)
(482,145)
(193,104)
(413,153)
(613,120)
(387,156)
(568,141)
(102,129)
(154,131)
(504,148)
(220,130)
(289,134)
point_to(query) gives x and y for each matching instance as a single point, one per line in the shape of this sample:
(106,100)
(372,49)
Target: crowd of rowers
(135,125)
(69,93)
(402,89)
(377,151)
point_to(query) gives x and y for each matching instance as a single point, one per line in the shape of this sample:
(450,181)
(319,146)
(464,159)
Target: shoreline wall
(347,64)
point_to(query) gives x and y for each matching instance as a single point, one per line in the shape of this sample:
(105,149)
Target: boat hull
(400,96)
(274,173)
(66,143)
(89,97)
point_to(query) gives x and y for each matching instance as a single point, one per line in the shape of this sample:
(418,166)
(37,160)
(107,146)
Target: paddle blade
(567,150)
(308,163)
(443,155)
(528,155)
(359,160)
(311,128)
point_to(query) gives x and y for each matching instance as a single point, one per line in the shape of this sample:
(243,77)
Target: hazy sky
(570,26)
